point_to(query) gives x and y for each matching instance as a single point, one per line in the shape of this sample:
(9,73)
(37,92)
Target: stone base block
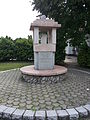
(43,80)
(31,75)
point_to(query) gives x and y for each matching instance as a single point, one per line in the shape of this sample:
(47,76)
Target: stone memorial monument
(44,46)
(44,34)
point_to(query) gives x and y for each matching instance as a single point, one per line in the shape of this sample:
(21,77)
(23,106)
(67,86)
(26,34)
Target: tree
(19,49)
(84,56)
(6,48)
(74,16)
(23,49)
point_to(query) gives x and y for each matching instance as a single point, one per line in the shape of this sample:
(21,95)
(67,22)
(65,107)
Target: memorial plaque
(45,60)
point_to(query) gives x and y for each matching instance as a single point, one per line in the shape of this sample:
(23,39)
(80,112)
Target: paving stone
(16,90)
(54,100)
(56,104)
(29,115)
(22,104)
(62,115)
(35,103)
(48,103)
(40,115)
(2,108)
(42,101)
(63,106)
(15,103)
(51,115)
(87,107)
(16,106)
(82,111)
(49,107)
(16,99)
(73,114)
(17,115)
(29,106)
(43,106)
(8,112)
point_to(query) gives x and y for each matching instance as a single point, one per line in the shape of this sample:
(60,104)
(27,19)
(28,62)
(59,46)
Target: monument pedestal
(44,60)
(33,76)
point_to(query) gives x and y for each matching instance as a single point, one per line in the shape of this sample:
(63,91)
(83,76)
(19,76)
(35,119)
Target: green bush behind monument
(20,49)
(84,56)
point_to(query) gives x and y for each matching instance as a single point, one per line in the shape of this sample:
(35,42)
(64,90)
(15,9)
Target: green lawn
(12,65)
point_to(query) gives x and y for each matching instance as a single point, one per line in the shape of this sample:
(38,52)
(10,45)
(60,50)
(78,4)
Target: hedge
(20,49)
(84,56)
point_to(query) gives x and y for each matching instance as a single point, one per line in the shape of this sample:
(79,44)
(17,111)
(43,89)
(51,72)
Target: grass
(13,65)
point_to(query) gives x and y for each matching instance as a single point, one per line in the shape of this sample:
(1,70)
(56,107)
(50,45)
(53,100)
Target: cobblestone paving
(71,92)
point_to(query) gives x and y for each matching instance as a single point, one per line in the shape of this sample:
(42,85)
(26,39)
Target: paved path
(72,92)
(71,62)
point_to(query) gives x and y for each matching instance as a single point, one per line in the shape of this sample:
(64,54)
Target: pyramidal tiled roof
(44,23)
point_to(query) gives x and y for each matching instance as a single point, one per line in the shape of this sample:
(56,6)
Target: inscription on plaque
(45,60)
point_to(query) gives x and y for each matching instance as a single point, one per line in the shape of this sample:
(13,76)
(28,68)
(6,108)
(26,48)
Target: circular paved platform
(29,74)
(29,70)
(32,76)
(71,92)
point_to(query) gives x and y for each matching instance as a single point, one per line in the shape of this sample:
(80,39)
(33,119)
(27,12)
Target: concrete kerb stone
(29,115)
(87,107)
(82,111)
(8,112)
(51,115)
(18,114)
(2,108)
(73,114)
(40,115)
(62,115)
(11,113)
(9,70)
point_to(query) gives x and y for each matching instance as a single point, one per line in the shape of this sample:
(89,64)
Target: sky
(16,17)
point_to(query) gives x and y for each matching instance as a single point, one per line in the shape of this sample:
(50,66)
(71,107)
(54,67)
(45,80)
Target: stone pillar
(36,60)
(54,35)
(36,35)
(36,41)
(49,37)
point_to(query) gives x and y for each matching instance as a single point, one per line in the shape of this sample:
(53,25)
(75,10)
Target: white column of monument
(54,35)
(49,37)
(36,35)
(36,41)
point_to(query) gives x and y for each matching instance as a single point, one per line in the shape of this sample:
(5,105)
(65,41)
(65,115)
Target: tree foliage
(24,49)
(6,48)
(74,16)
(20,49)
(84,56)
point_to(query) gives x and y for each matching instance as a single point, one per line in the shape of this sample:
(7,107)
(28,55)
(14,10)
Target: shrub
(6,48)
(84,56)
(23,49)
(20,49)
(60,48)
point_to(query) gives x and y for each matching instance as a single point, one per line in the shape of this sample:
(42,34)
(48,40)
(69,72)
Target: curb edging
(11,113)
